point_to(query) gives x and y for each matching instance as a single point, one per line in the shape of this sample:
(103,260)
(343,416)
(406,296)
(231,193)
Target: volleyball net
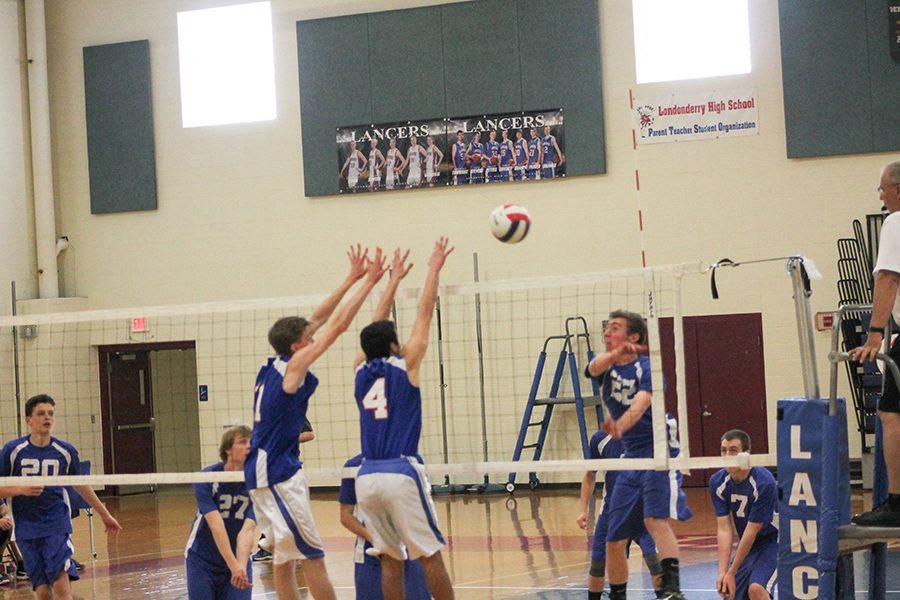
(170,379)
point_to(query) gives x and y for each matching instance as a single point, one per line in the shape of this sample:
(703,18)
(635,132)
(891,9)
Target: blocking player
(217,555)
(391,487)
(353,166)
(284,385)
(747,498)
(654,496)
(43,523)
(605,446)
(366,568)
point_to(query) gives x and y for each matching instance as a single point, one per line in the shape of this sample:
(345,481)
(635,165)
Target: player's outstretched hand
(440,254)
(582,521)
(377,266)
(358,260)
(112,526)
(399,270)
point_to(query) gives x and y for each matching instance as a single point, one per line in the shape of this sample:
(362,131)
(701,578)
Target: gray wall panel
(884,73)
(119,116)
(406,63)
(825,70)
(481,57)
(561,68)
(335,90)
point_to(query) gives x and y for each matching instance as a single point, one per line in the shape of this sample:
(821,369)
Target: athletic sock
(893,501)
(595,595)
(670,578)
(617,591)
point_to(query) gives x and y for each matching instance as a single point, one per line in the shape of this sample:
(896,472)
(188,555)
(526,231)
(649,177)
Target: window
(227,67)
(690,39)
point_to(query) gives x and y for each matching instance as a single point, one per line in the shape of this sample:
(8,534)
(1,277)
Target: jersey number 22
(376,400)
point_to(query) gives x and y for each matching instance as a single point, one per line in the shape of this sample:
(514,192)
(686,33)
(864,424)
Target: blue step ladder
(576,327)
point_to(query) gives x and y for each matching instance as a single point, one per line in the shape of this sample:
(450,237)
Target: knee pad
(598,568)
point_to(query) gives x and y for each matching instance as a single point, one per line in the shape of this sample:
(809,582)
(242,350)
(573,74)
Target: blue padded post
(878,553)
(813,497)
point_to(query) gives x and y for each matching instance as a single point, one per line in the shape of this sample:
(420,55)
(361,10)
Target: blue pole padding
(813,496)
(878,553)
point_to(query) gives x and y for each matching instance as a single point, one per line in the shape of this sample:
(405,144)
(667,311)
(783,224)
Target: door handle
(706,413)
(149,425)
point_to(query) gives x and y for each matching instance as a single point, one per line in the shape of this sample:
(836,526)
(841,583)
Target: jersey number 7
(376,400)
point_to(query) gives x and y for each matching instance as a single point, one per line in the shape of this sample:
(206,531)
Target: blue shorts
(47,557)
(205,582)
(598,546)
(759,567)
(533,171)
(644,494)
(367,580)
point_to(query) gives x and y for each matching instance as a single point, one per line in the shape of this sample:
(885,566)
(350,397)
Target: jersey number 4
(376,400)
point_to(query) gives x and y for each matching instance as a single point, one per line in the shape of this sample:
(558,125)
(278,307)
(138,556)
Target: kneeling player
(748,498)
(366,568)
(604,446)
(218,548)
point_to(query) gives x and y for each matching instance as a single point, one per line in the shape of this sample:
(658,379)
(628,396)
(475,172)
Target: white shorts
(415,176)
(352,180)
(284,513)
(395,497)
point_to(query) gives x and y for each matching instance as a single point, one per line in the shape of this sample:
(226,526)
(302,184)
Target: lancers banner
(682,116)
(392,156)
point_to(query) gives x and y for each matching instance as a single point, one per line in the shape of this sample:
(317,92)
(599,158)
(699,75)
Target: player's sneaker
(79,566)
(673,596)
(22,574)
(262,556)
(885,514)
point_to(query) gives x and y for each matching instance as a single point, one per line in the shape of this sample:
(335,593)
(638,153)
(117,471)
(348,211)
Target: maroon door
(725,382)
(127,412)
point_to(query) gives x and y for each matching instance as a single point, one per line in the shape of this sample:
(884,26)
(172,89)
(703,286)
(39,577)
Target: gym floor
(525,546)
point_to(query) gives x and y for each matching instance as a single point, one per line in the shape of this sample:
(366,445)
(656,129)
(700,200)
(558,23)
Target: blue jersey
(751,501)
(505,152)
(476,148)
(233,502)
(390,409)
(620,385)
(278,421)
(548,145)
(491,148)
(50,513)
(459,155)
(534,150)
(520,151)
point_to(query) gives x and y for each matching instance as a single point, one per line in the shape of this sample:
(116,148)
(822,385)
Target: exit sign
(824,321)
(139,325)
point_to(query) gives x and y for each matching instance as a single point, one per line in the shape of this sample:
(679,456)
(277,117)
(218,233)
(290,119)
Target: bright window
(690,39)
(227,65)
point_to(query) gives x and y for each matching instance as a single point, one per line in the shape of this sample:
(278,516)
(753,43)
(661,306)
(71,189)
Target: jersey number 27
(376,400)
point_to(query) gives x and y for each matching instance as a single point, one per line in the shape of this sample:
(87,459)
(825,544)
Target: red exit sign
(139,325)
(824,321)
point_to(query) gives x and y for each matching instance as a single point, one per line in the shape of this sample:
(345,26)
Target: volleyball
(510,223)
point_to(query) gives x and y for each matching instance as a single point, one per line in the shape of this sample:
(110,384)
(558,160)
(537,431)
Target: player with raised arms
(391,487)
(284,385)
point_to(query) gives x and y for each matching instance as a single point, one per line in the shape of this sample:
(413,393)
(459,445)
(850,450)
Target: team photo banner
(682,116)
(522,146)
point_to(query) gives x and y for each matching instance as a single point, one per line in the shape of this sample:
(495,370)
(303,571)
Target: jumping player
(604,446)
(746,497)
(284,385)
(218,547)
(654,496)
(43,523)
(391,486)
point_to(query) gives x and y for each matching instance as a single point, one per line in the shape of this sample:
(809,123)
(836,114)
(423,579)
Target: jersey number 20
(376,400)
